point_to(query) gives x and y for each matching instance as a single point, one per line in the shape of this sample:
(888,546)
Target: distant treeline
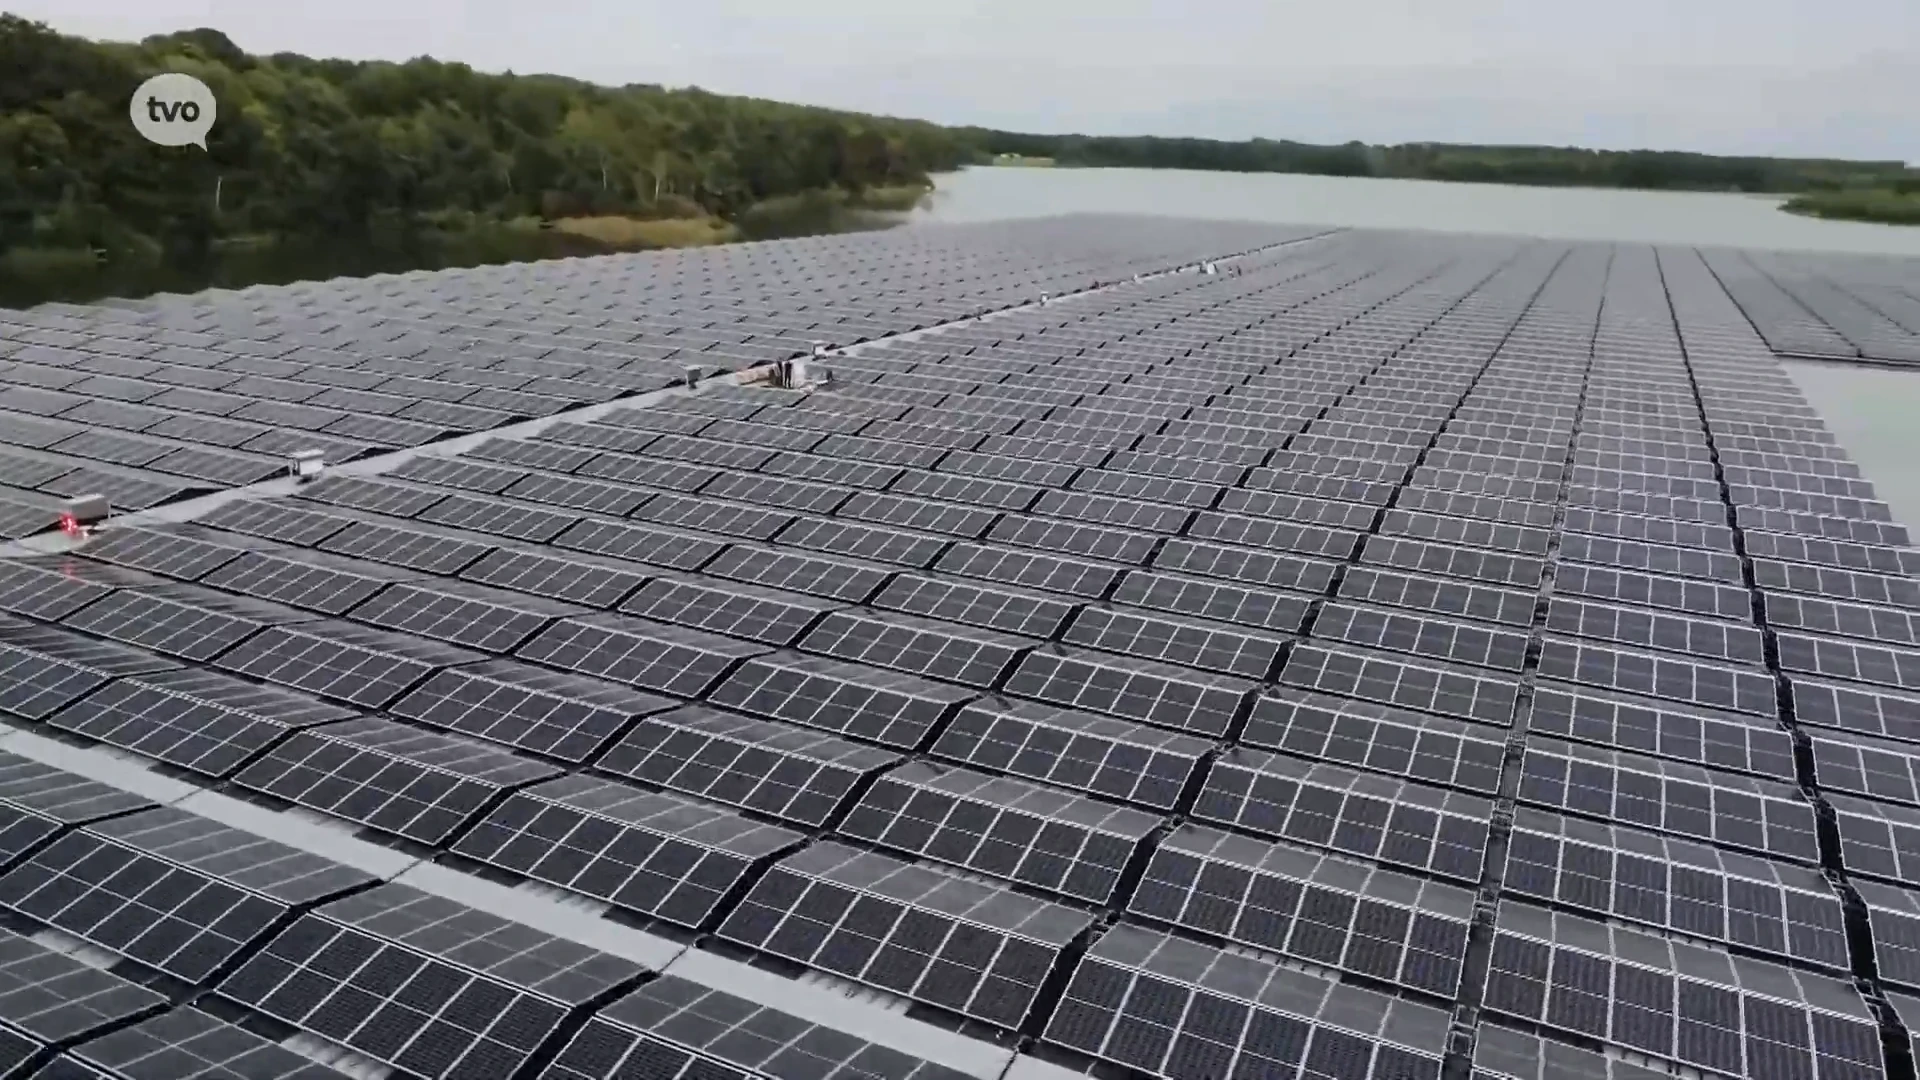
(1538,165)
(340,148)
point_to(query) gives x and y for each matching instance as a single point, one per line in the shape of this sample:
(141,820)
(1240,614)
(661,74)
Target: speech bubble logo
(173,109)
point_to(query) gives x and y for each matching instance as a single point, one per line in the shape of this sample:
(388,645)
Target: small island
(1896,204)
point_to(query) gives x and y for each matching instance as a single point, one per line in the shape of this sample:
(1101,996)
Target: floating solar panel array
(1399,656)
(1820,305)
(153,400)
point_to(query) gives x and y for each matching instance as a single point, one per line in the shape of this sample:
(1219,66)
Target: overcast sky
(1810,77)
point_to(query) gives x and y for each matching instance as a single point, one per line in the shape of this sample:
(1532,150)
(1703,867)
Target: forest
(341,149)
(1535,165)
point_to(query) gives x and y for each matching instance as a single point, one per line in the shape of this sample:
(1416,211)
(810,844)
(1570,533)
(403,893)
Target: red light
(70,525)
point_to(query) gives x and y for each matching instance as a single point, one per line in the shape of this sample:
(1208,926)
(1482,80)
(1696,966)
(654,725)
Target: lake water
(1871,410)
(1753,221)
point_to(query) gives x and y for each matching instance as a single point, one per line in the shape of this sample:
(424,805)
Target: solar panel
(1377,738)
(1161,480)
(499,517)
(1035,836)
(1095,754)
(463,613)
(1772,575)
(341,660)
(1860,765)
(869,542)
(1676,1002)
(579,579)
(426,548)
(1489,567)
(725,518)
(178,893)
(181,619)
(188,1044)
(48,997)
(1028,569)
(395,778)
(1737,689)
(1712,536)
(50,588)
(739,609)
(640,652)
(785,772)
(1723,808)
(329,584)
(367,493)
(891,708)
(1136,689)
(1242,605)
(966,655)
(638,543)
(799,571)
(1425,685)
(972,949)
(38,801)
(1501,1053)
(1840,528)
(1154,1002)
(657,854)
(1841,554)
(1719,740)
(1652,590)
(1701,638)
(284,520)
(1209,645)
(1398,631)
(195,719)
(1508,607)
(674,1027)
(1401,824)
(559,715)
(1841,659)
(424,984)
(1308,907)
(1676,886)
(1145,508)
(43,669)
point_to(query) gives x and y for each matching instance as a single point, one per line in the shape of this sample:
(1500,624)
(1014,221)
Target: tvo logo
(173,109)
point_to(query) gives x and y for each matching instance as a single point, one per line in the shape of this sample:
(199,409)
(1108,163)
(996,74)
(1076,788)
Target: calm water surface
(1873,411)
(1561,213)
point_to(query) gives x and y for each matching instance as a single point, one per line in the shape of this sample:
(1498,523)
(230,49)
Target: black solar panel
(974,949)
(47,997)
(43,669)
(195,719)
(177,893)
(395,778)
(1313,908)
(657,854)
(188,1044)
(423,984)
(1167,1006)
(674,1027)
(1674,885)
(1674,1001)
(786,772)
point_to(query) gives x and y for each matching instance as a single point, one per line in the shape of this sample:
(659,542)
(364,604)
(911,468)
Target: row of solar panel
(190,898)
